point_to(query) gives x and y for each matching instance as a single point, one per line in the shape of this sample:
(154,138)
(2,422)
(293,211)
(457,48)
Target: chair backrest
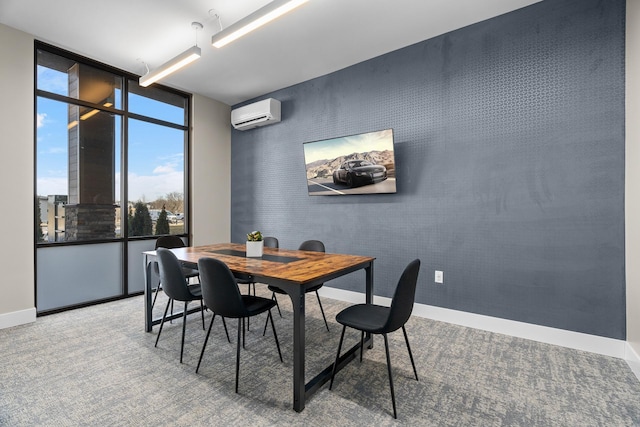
(169,242)
(312,245)
(219,289)
(172,278)
(403,298)
(270,242)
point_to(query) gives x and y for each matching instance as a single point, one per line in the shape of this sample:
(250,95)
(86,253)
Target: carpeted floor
(97,366)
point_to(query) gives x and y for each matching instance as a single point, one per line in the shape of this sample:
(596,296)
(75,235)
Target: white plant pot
(254,249)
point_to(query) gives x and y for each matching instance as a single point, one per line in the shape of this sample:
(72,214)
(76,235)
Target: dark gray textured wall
(509,139)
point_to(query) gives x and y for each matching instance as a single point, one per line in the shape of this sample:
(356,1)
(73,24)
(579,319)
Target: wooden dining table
(293,271)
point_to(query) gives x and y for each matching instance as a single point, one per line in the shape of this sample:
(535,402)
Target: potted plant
(254,244)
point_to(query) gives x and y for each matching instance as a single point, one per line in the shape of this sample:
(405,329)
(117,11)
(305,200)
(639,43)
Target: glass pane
(78,156)
(66,77)
(136,269)
(156,103)
(156,179)
(91,272)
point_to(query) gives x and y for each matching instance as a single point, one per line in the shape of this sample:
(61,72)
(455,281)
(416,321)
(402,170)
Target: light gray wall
(632,194)
(510,167)
(16,174)
(210,172)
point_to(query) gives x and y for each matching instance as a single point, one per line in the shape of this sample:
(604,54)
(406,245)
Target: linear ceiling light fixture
(93,112)
(180,61)
(256,20)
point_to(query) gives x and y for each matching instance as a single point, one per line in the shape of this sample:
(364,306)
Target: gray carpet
(97,366)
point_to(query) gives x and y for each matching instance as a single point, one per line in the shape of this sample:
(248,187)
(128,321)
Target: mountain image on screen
(324,168)
(354,164)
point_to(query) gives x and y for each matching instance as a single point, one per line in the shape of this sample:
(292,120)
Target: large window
(80,140)
(110,161)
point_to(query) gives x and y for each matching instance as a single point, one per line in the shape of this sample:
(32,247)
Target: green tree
(130,219)
(140,224)
(162,224)
(39,234)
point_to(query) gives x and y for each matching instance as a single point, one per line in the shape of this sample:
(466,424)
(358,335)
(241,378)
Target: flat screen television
(354,164)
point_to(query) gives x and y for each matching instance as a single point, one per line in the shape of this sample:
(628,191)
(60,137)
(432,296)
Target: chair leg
(406,338)
(243,334)
(335,364)
(162,323)
(202,312)
(269,316)
(322,311)
(273,297)
(393,396)
(266,322)
(240,322)
(249,288)
(206,338)
(361,344)
(184,327)
(155,297)
(225,329)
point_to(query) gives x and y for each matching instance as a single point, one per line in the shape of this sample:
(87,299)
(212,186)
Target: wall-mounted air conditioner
(259,113)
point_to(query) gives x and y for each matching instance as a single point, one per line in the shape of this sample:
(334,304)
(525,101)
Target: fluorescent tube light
(93,112)
(85,116)
(185,58)
(257,19)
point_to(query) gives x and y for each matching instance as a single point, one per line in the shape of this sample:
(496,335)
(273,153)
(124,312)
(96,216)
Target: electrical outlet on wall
(439,277)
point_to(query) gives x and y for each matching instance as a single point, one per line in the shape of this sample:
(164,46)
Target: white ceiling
(318,38)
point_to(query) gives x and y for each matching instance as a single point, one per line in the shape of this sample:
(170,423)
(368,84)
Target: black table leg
(298,299)
(148,322)
(369,297)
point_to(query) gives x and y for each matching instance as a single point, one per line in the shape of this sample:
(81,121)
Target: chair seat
(280,291)
(256,305)
(196,291)
(364,317)
(190,272)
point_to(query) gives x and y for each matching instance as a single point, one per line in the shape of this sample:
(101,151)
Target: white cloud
(41,117)
(152,187)
(141,187)
(57,150)
(52,185)
(164,169)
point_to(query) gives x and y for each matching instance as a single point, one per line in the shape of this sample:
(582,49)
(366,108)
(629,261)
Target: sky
(336,147)
(156,153)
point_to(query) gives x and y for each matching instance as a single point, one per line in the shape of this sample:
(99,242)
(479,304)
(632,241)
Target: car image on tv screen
(355,164)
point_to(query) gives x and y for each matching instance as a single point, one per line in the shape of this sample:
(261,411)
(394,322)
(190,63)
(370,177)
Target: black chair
(222,295)
(376,319)
(175,285)
(170,242)
(269,242)
(308,245)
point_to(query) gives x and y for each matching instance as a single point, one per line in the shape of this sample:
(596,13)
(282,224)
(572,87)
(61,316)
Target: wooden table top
(280,264)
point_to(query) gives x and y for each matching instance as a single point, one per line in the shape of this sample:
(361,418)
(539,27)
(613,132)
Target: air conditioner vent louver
(257,119)
(259,113)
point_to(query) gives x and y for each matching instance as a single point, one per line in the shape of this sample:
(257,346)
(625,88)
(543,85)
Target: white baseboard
(15,318)
(633,360)
(570,339)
